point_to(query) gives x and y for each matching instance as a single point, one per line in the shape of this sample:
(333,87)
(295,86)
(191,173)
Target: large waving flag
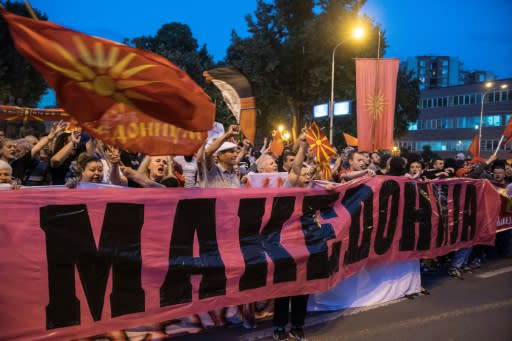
(319,143)
(134,131)
(93,76)
(237,93)
(376,93)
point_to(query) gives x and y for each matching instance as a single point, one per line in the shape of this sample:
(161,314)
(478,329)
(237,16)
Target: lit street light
(356,34)
(488,88)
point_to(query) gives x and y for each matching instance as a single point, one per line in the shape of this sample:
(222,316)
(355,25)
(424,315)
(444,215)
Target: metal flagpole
(376,86)
(499,144)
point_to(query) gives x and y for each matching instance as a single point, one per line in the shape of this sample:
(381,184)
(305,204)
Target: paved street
(476,308)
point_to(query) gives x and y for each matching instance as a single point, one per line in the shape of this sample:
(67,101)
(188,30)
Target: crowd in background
(72,158)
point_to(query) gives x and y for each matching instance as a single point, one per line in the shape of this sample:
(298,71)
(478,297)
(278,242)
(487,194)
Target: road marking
(493,273)
(416,322)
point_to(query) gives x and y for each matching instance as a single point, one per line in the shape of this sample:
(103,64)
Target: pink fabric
(23,262)
(505,219)
(376,93)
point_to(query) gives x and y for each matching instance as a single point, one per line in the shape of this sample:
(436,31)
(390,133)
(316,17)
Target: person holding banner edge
(298,177)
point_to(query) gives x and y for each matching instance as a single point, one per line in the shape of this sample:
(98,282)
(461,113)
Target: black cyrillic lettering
(316,235)
(441,195)
(469,217)
(383,241)
(254,244)
(413,216)
(456,210)
(70,243)
(353,200)
(193,215)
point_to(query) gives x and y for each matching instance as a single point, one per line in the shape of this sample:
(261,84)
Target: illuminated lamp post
(356,34)
(488,88)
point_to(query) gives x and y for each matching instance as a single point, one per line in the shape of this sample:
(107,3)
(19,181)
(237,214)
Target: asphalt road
(476,308)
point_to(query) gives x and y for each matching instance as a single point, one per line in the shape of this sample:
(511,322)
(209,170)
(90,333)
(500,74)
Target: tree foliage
(176,42)
(287,57)
(407,100)
(18,79)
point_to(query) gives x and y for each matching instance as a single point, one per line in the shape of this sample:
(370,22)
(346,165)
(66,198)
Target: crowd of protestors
(71,158)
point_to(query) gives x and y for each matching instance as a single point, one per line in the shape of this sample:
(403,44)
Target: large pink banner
(76,263)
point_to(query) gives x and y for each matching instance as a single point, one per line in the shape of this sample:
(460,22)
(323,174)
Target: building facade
(435,71)
(450,117)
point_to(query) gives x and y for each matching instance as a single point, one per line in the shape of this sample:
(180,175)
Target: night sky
(476,31)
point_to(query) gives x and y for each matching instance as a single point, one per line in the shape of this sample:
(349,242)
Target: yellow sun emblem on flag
(104,72)
(375,104)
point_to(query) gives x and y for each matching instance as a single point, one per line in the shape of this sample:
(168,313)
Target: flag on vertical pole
(376,94)
(237,93)
(474,147)
(319,143)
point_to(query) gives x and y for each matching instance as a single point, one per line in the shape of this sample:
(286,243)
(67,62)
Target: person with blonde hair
(154,171)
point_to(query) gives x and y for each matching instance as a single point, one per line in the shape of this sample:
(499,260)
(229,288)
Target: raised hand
(56,129)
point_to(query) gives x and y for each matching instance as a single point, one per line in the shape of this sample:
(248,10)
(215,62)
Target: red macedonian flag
(376,93)
(507,133)
(277,146)
(474,147)
(92,76)
(319,143)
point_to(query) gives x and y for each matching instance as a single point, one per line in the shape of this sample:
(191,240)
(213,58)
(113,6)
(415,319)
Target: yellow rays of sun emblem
(375,104)
(104,72)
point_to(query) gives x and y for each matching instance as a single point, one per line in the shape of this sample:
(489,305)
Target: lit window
(492,120)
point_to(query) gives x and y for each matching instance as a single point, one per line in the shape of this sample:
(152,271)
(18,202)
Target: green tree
(407,100)
(18,78)
(176,42)
(287,56)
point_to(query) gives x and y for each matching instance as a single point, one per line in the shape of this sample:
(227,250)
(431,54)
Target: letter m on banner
(70,244)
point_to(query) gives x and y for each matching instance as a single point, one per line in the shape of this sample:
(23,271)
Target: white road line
(493,273)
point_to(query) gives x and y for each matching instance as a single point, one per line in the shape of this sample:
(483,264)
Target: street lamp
(356,34)
(488,88)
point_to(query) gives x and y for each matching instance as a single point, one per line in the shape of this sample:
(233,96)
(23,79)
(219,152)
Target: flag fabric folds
(474,147)
(92,76)
(237,93)
(376,94)
(319,143)
(350,140)
(133,131)
(117,93)
(326,170)
(507,133)
(277,145)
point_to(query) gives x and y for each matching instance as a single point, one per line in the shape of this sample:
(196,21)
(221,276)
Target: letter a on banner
(376,92)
